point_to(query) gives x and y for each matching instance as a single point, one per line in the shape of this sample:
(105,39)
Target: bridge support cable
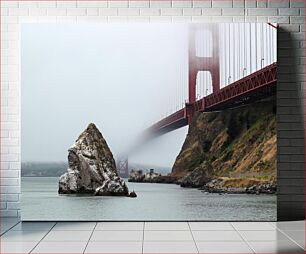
(228,64)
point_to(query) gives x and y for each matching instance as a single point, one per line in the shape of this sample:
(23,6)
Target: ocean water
(170,202)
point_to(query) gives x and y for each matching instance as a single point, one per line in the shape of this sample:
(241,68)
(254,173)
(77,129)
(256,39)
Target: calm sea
(40,201)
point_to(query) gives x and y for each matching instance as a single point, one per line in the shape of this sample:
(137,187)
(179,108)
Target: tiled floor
(152,237)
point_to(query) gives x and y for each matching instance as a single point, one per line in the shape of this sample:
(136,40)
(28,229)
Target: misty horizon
(66,162)
(120,77)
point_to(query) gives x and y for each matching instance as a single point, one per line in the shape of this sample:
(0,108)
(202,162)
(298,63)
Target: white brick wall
(288,13)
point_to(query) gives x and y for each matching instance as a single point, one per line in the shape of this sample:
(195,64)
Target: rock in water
(133,194)
(136,175)
(91,167)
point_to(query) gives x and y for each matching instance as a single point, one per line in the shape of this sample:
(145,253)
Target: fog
(121,77)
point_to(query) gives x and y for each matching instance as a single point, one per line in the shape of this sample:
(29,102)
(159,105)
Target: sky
(119,76)
(123,78)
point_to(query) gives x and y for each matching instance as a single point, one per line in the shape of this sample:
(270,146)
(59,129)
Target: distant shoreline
(56,169)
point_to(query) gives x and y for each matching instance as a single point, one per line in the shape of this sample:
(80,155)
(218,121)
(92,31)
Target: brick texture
(290,14)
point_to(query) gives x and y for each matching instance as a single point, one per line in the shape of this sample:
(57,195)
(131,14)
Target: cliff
(236,146)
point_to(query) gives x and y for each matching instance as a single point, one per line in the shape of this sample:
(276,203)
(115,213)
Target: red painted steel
(197,63)
(170,122)
(243,86)
(257,85)
(123,166)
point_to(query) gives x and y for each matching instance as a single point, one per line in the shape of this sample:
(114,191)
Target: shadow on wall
(290,130)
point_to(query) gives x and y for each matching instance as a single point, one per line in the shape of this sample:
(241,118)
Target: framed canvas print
(133,122)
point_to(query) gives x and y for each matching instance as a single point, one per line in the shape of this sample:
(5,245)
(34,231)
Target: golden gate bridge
(227,65)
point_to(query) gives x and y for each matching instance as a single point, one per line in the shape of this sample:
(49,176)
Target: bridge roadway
(258,85)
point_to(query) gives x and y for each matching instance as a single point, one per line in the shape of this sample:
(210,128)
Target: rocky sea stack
(91,167)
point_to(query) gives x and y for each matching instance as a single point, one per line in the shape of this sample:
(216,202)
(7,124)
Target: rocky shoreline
(137,176)
(231,151)
(216,186)
(219,185)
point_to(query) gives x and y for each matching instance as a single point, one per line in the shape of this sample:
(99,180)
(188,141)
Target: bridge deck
(255,86)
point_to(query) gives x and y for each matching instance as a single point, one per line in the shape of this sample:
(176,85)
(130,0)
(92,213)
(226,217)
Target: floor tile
(22,236)
(33,226)
(104,236)
(296,235)
(276,247)
(169,247)
(166,226)
(63,226)
(291,225)
(17,247)
(5,226)
(222,226)
(167,236)
(301,243)
(114,247)
(120,226)
(253,226)
(273,224)
(9,220)
(216,236)
(273,235)
(223,247)
(9,224)
(160,237)
(3,230)
(60,247)
(69,236)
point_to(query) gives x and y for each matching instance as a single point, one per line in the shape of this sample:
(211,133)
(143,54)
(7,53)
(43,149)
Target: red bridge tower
(202,63)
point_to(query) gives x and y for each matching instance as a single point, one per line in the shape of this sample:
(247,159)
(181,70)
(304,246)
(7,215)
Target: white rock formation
(91,167)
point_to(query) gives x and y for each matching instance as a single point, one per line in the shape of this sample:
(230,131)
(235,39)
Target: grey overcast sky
(119,76)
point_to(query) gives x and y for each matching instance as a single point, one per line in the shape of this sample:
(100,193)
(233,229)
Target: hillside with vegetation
(233,149)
